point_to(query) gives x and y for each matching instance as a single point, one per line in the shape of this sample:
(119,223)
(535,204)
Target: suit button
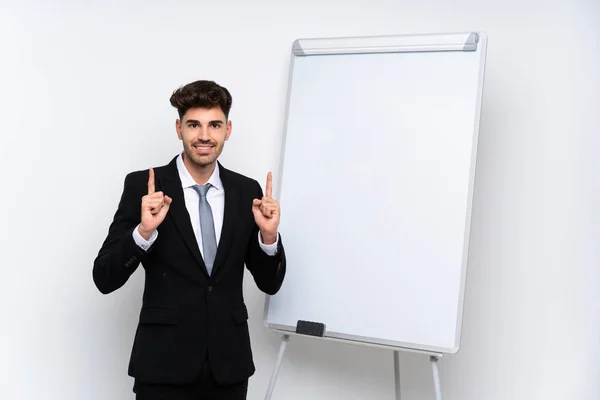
(210,288)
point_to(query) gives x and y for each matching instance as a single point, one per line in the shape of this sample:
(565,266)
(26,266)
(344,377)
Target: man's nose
(203,134)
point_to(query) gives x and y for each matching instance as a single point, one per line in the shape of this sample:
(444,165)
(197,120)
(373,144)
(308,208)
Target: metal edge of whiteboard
(288,98)
(368,341)
(282,157)
(297,48)
(476,131)
(471,43)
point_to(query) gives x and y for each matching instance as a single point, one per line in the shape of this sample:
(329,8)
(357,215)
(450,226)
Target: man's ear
(229,127)
(178,129)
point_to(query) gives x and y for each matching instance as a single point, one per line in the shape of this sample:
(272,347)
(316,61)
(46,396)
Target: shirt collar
(187,180)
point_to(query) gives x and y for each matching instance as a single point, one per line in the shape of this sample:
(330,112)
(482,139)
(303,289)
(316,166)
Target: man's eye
(215,126)
(194,125)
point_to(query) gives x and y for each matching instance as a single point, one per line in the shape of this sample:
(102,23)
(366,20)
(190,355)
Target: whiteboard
(376,186)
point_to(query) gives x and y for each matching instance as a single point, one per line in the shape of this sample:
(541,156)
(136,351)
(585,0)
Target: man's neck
(200,174)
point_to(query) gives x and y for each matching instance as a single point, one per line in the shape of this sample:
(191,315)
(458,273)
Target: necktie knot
(202,189)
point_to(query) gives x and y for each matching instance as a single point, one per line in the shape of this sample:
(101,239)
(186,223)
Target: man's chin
(202,161)
(205,162)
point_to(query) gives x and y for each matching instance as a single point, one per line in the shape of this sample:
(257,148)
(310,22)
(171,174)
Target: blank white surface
(388,140)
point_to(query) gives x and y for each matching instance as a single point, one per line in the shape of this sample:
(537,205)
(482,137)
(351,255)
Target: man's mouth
(203,148)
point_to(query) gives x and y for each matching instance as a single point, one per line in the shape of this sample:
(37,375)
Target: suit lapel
(229,217)
(171,186)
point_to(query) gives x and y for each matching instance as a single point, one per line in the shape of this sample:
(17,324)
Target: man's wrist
(268,238)
(143,233)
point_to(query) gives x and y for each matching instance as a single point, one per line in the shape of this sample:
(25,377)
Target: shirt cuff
(141,242)
(270,249)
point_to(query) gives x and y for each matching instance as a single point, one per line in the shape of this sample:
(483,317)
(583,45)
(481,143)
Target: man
(193,225)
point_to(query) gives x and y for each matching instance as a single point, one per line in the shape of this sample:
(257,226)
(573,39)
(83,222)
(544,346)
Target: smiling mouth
(203,148)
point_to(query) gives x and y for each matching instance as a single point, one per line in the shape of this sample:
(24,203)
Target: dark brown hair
(205,94)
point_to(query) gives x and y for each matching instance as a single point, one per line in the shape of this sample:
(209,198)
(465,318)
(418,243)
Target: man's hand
(266,214)
(154,209)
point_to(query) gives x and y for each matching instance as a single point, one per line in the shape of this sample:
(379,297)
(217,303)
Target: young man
(193,225)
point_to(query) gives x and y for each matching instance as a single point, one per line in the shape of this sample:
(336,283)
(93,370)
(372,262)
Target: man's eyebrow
(193,121)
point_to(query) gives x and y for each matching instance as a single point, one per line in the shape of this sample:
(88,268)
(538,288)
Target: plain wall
(84,94)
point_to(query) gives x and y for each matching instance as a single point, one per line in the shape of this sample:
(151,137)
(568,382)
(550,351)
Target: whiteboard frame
(429,42)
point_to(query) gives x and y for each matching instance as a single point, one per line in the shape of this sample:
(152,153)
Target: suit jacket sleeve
(268,271)
(119,255)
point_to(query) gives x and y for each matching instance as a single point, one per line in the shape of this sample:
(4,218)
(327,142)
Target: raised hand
(155,206)
(266,213)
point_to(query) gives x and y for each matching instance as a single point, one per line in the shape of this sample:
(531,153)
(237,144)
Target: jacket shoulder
(239,179)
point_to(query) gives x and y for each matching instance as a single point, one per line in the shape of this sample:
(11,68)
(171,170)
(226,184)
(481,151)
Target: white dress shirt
(216,199)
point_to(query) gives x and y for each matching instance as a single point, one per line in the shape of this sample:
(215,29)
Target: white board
(376,185)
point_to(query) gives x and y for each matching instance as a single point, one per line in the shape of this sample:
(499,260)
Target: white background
(84,99)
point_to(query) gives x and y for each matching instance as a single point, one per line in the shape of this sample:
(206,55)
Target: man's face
(203,132)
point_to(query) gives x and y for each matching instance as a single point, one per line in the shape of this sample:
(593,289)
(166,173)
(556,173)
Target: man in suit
(193,225)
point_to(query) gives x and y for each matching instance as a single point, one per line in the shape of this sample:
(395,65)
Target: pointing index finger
(151,181)
(269,185)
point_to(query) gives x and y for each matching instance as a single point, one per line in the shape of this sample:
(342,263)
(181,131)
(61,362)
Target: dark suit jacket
(187,314)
